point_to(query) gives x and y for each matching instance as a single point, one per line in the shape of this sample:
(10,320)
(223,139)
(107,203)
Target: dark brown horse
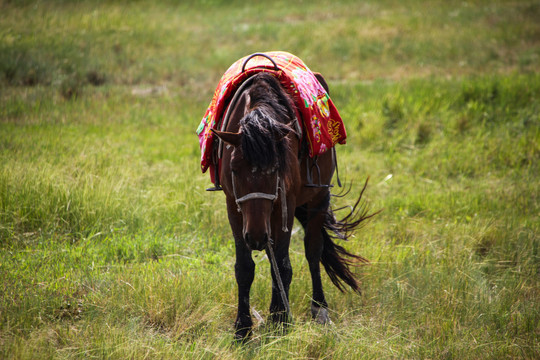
(267,181)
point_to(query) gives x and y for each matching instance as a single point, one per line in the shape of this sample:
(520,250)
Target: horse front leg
(278,310)
(314,247)
(245,272)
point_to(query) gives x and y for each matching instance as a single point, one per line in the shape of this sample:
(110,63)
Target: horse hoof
(243,330)
(320,315)
(241,336)
(280,318)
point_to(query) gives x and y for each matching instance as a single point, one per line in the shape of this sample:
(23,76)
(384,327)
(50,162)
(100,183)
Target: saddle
(321,125)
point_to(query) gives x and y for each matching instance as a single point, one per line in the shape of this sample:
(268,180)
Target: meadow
(110,247)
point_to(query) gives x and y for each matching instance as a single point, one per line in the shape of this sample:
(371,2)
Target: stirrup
(310,169)
(310,177)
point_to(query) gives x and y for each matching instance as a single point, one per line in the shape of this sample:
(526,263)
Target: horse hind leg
(337,260)
(313,244)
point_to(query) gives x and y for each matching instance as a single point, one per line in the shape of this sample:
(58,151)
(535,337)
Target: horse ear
(231,138)
(322,81)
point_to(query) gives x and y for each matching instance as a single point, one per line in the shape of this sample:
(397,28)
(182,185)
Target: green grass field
(110,247)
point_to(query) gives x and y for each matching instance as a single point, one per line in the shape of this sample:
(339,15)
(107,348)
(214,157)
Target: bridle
(280,190)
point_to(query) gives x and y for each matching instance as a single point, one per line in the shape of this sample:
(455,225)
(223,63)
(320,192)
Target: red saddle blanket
(322,124)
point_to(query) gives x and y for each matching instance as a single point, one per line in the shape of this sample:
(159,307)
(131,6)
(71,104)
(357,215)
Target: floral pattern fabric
(322,124)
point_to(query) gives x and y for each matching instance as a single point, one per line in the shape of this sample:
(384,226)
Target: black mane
(264,128)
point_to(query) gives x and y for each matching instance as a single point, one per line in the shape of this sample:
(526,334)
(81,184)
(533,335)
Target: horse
(268,180)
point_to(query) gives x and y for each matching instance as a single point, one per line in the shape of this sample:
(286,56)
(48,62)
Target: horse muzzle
(256,240)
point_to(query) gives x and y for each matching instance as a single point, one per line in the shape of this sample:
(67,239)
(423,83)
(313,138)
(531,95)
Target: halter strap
(256,195)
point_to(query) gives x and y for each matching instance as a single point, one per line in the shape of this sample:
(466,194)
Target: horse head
(257,167)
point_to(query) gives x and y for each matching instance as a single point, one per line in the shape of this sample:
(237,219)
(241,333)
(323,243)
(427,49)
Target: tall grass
(110,247)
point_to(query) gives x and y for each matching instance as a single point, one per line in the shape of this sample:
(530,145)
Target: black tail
(336,260)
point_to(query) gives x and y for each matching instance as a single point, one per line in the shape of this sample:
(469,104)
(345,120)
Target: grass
(111,248)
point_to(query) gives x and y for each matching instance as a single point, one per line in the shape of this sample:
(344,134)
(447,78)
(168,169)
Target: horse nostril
(257,242)
(264,241)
